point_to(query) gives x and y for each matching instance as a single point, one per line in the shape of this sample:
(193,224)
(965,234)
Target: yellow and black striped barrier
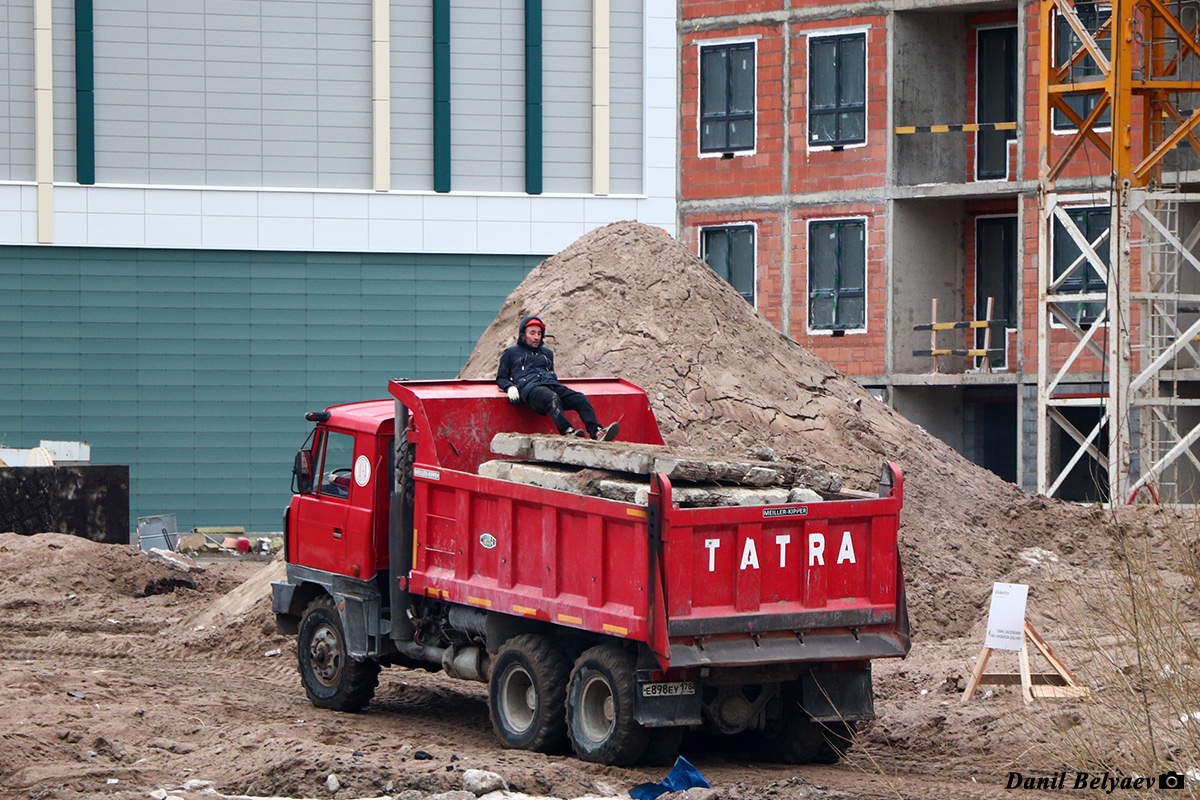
(996,352)
(950,326)
(969,127)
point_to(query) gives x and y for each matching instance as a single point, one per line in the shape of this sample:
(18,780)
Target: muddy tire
(795,738)
(527,695)
(600,700)
(836,739)
(330,676)
(663,746)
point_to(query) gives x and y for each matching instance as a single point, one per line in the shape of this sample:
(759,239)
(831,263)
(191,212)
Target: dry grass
(1138,623)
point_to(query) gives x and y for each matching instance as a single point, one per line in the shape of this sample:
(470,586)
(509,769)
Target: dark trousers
(556,398)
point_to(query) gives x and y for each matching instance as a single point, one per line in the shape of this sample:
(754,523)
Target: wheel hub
(518,699)
(598,709)
(325,653)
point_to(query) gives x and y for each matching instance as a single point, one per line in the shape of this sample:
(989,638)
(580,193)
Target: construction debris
(618,470)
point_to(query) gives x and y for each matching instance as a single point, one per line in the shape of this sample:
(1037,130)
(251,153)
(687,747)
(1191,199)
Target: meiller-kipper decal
(816,551)
(788,511)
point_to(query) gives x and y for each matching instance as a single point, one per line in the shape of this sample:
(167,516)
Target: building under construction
(985,212)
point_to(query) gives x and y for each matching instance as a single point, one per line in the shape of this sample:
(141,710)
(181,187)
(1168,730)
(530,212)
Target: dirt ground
(110,691)
(120,676)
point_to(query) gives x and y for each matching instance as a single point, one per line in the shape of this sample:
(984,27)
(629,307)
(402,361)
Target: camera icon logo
(1171,780)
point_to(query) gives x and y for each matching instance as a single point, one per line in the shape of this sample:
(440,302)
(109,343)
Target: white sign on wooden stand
(1007,629)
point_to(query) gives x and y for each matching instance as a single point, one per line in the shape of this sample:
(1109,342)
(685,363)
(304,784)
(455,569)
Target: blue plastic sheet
(683,776)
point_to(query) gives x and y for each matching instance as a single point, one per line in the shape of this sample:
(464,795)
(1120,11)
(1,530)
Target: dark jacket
(524,366)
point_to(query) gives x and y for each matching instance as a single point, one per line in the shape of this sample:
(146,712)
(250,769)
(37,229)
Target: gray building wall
(16,103)
(487,95)
(278,94)
(627,81)
(235,94)
(412,96)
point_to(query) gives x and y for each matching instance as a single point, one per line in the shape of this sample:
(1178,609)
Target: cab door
(322,514)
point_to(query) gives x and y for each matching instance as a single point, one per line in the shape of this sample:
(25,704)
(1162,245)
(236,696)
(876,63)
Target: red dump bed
(732,585)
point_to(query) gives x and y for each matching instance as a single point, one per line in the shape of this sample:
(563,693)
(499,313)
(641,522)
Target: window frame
(1012,137)
(1068,128)
(729,227)
(1015,277)
(814,147)
(1083,206)
(808,293)
(708,44)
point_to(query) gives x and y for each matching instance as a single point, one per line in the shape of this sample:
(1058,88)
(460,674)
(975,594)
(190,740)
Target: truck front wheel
(600,715)
(527,695)
(331,677)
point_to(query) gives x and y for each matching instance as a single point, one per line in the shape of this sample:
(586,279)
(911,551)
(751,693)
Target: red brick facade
(853,181)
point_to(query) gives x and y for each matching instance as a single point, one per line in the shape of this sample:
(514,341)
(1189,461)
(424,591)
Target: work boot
(607,434)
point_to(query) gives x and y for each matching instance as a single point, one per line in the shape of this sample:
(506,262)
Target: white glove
(513,395)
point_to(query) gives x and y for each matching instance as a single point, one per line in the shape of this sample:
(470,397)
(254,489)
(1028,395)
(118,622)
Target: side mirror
(302,469)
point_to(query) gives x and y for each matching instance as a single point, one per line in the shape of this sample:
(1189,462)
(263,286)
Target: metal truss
(1129,88)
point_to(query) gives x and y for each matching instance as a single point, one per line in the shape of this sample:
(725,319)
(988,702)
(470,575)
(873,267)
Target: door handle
(337,533)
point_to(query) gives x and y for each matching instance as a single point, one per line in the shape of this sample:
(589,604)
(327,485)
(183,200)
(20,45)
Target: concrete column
(43,118)
(381,95)
(601,100)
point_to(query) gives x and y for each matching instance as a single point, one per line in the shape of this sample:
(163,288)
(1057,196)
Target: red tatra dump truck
(593,621)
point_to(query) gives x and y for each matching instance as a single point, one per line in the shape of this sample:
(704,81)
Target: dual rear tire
(537,701)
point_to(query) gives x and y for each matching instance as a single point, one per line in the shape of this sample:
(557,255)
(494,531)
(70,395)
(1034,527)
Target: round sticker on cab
(362,470)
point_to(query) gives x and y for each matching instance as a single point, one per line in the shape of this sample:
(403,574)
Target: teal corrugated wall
(195,368)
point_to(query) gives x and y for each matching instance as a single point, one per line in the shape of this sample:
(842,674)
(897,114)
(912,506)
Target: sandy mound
(628,300)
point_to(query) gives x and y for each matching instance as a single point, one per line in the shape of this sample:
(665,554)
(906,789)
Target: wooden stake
(933,337)
(987,337)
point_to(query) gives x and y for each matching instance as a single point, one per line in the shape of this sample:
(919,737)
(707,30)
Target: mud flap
(838,696)
(286,622)
(656,707)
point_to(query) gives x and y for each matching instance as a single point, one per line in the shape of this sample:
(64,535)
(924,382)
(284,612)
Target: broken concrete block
(512,444)
(623,491)
(543,476)
(583,453)
(499,469)
(800,494)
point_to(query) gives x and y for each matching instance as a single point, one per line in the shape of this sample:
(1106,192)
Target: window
(837,89)
(337,464)
(996,93)
(730,252)
(1083,278)
(727,98)
(837,267)
(996,276)
(1085,69)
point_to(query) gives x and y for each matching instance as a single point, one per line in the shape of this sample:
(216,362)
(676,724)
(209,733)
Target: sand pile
(628,300)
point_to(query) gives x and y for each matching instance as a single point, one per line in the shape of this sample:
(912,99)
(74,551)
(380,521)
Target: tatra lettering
(749,555)
(846,552)
(712,545)
(783,540)
(816,549)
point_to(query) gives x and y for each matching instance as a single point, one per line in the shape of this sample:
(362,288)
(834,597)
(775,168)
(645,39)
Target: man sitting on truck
(527,373)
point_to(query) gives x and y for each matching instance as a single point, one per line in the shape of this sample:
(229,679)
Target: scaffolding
(1124,315)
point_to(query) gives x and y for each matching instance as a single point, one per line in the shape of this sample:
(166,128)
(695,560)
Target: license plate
(668,689)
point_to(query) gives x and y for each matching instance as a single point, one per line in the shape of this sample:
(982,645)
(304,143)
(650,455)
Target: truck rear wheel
(600,715)
(331,677)
(527,695)
(795,738)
